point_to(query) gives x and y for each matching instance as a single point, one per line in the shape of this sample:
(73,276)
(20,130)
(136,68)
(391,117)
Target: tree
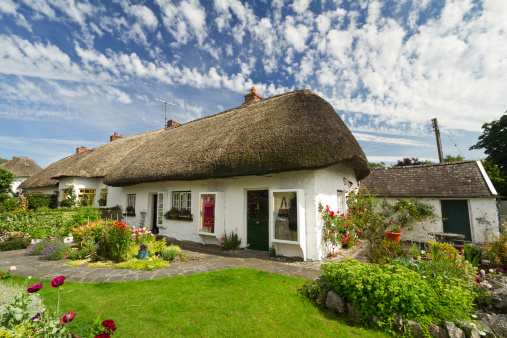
(497,177)
(411,161)
(494,142)
(6,178)
(450,158)
(377,165)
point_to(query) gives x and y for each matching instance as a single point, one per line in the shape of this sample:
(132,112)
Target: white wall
(16,182)
(321,185)
(81,183)
(483,216)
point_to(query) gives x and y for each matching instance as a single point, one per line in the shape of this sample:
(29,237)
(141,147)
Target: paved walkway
(208,259)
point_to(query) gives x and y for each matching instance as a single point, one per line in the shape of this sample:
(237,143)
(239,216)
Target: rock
(497,323)
(375,319)
(398,323)
(452,330)
(415,329)
(437,331)
(353,317)
(316,284)
(335,303)
(322,296)
(471,330)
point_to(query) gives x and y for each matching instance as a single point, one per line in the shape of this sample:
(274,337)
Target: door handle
(256,222)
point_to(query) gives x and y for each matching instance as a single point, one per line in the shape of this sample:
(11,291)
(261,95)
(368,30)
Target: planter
(181,218)
(143,254)
(393,236)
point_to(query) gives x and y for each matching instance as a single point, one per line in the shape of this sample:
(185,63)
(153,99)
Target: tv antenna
(165,109)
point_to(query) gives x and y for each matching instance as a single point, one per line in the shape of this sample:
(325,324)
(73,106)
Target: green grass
(236,302)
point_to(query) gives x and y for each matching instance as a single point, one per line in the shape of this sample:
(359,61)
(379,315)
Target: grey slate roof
(447,180)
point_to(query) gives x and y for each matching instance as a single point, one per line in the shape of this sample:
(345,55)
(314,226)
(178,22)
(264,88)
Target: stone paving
(209,258)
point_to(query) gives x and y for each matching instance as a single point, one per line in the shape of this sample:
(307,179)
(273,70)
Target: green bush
(231,242)
(84,216)
(55,251)
(382,250)
(38,224)
(77,254)
(8,204)
(37,248)
(383,290)
(153,263)
(14,244)
(170,253)
(37,200)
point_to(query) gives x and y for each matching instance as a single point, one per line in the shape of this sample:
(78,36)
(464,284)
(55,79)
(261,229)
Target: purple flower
(478,280)
(67,318)
(57,281)
(143,247)
(36,317)
(501,270)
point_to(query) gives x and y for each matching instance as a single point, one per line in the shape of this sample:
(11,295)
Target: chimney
(81,149)
(173,123)
(115,137)
(252,96)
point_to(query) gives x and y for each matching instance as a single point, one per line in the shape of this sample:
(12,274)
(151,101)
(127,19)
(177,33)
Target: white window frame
(182,200)
(160,209)
(341,201)
(131,202)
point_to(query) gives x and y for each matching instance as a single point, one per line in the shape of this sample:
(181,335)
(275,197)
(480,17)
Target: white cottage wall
(44,190)
(81,183)
(483,216)
(320,185)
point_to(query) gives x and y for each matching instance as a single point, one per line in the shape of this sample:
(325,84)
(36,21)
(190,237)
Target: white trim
(486,178)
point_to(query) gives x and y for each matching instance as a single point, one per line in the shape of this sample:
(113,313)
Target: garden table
(447,237)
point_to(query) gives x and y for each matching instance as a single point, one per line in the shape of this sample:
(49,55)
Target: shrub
(8,204)
(438,250)
(115,243)
(383,290)
(37,224)
(15,244)
(37,248)
(381,251)
(152,263)
(472,253)
(84,216)
(496,251)
(170,253)
(54,251)
(231,242)
(92,230)
(77,254)
(37,200)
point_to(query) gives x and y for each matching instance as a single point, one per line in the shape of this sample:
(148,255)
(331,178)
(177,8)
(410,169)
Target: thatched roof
(44,177)
(447,180)
(22,166)
(293,131)
(101,159)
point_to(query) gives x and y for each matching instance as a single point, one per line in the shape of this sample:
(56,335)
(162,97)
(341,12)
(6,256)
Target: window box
(180,218)
(129,215)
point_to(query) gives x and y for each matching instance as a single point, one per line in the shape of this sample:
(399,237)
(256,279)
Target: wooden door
(258,220)
(456,217)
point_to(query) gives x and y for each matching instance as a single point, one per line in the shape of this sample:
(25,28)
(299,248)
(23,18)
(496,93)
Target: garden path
(208,258)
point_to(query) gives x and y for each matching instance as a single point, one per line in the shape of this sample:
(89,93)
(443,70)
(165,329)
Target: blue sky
(74,72)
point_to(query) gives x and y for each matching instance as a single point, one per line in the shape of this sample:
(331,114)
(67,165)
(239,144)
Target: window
(285,209)
(182,201)
(103,197)
(207,221)
(131,204)
(87,196)
(160,208)
(342,207)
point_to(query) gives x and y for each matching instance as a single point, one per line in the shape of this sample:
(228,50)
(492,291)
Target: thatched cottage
(22,168)
(460,192)
(260,170)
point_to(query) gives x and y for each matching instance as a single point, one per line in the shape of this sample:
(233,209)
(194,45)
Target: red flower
(109,324)
(331,213)
(34,288)
(57,281)
(67,318)
(103,335)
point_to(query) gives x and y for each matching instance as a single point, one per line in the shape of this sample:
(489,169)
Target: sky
(74,72)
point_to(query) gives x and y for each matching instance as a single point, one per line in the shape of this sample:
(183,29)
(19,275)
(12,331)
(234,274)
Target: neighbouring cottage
(22,168)
(260,170)
(461,193)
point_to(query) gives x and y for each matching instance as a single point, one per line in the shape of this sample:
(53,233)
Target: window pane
(285,215)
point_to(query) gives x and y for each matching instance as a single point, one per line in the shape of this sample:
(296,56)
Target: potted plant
(102,202)
(143,252)
(395,233)
(131,211)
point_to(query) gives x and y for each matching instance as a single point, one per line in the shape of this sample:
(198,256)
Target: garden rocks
(471,330)
(322,297)
(398,323)
(437,331)
(335,303)
(353,317)
(496,322)
(415,329)
(499,297)
(453,331)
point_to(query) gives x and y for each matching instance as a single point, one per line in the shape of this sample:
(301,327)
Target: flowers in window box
(131,210)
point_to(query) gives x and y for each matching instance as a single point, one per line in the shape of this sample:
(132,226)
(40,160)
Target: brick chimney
(173,123)
(252,96)
(81,149)
(115,137)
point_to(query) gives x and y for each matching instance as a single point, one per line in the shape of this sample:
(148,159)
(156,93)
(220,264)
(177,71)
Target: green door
(456,219)
(258,220)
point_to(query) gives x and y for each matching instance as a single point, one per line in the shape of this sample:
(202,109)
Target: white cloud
(300,6)
(296,35)
(186,21)
(389,140)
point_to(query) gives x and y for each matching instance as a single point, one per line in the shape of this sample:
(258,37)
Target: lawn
(235,302)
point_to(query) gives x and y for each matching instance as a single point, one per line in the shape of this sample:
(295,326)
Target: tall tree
(494,142)
(450,158)
(497,177)
(411,161)
(6,178)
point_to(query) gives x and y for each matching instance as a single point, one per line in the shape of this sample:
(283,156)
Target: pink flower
(67,318)
(34,288)
(57,281)
(331,213)
(478,280)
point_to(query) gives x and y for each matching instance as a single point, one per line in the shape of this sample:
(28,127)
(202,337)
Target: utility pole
(165,109)
(439,145)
